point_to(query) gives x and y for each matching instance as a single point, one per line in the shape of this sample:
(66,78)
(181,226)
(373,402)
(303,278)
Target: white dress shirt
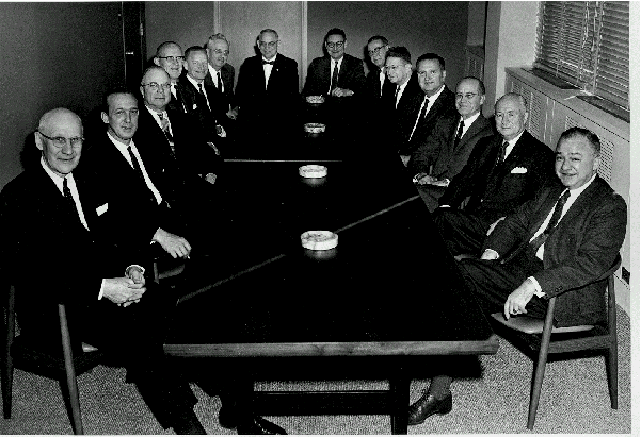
(334,64)
(467,122)
(400,91)
(267,68)
(214,77)
(195,84)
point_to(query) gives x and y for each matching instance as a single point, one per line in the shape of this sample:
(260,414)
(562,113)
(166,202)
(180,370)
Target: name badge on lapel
(102,209)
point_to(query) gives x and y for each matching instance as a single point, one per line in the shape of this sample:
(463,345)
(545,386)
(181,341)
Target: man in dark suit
(169,56)
(94,284)
(222,76)
(377,81)
(455,137)
(556,245)
(437,101)
(199,99)
(340,78)
(502,172)
(268,86)
(401,99)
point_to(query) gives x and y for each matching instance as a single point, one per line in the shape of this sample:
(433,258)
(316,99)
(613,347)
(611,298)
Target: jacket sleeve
(599,243)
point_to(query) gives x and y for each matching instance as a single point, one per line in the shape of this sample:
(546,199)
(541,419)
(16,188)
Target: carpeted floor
(574,400)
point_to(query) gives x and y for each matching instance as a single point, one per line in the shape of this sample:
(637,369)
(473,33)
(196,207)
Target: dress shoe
(427,406)
(259,426)
(188,425)
(228,417)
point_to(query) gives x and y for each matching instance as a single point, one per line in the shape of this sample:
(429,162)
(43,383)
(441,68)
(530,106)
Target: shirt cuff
(126,272)
(493,252)
(538,289)
(101,289)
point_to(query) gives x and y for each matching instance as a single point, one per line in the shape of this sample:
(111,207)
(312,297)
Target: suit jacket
(350,76)
(375,94)
(258,99)
(194,105)
(228,99)
(449,159)
(443,106)
(581,248)
(496,191)
(192,155)
(101,161)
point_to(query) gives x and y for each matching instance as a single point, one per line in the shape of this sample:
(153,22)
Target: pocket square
(195,106)
(519,170)
(102,209)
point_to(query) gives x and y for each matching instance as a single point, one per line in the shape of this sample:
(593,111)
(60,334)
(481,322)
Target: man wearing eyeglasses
(222,76)
(437,100)
(338,74)
(268,84)
(453,138)
(53,212)
(377,82)
(169,57)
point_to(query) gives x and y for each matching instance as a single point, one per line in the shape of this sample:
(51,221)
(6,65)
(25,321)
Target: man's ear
(156,61)
(38,140)
(345,44)
(481,100)
(104,117)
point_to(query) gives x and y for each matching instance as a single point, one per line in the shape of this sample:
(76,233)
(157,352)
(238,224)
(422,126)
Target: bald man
(49,209)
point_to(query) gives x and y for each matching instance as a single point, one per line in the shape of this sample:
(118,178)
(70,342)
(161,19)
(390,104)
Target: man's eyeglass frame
(60,142)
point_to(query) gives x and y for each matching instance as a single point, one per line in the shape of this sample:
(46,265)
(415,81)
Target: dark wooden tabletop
(389,287)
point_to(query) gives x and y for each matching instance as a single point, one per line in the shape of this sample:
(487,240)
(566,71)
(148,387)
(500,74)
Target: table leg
(400,391)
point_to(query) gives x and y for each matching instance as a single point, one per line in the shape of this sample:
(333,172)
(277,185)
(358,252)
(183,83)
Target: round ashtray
(319,240)
(313,171)
(313,128)
(316,100)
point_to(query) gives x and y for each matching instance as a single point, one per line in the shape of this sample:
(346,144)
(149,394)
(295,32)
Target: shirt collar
(56,178)
(576,192)
(434,97)
(270,60)
(469,121)
(192,80)
(155,115)
(122,147)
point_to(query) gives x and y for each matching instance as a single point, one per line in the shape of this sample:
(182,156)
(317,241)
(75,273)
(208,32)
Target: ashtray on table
(313,128)
(315,100)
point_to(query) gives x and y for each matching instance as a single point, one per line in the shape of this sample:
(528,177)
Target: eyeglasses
(60,142)
(335,45)
(156,86)
(176,59)
(391,67)
(377,50)
(220,52)
(467,96)
(269,44)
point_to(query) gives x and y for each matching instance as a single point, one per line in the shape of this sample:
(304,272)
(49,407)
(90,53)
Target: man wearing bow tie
(503,172)
(268,88)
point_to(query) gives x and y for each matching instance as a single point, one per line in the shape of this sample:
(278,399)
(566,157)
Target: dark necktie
(136,164)
(71,203)
(166,123)
(458,137)
(397,92)
(220,84)
(201,91)
(503,150)
(334,77)
(267,62)
(553,222)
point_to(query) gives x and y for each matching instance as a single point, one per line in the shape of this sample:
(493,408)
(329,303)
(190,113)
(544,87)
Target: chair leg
(70,371)
(612,374)
(538,375)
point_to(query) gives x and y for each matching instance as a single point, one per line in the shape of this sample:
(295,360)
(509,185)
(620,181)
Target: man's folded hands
(123,291)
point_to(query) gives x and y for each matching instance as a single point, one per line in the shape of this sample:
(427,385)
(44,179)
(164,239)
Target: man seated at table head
(268,84)
(169,56)
(222,76)
(502,172)
(377,80)
(200,99)
(338,74)
(455,137)
(557,245)
(436,101)
(98,283)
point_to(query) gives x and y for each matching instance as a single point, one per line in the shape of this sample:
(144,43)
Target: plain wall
(54,54)
(421,27)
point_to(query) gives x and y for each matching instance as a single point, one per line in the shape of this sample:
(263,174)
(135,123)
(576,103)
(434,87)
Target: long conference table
(383,304)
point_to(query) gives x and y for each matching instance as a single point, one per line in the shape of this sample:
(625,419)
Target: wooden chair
(19,354)
(542,337)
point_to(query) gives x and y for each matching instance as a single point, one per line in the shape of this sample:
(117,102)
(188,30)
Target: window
(586,44)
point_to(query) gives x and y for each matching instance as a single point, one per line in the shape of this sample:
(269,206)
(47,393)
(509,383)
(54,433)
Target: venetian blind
(587,44)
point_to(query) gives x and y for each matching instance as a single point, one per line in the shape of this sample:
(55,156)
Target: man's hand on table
(489,254)
(341,92)
(518,299)
(123,291)
(172,244)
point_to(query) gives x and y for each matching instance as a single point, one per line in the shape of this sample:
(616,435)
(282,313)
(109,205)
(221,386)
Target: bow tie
(267,62)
